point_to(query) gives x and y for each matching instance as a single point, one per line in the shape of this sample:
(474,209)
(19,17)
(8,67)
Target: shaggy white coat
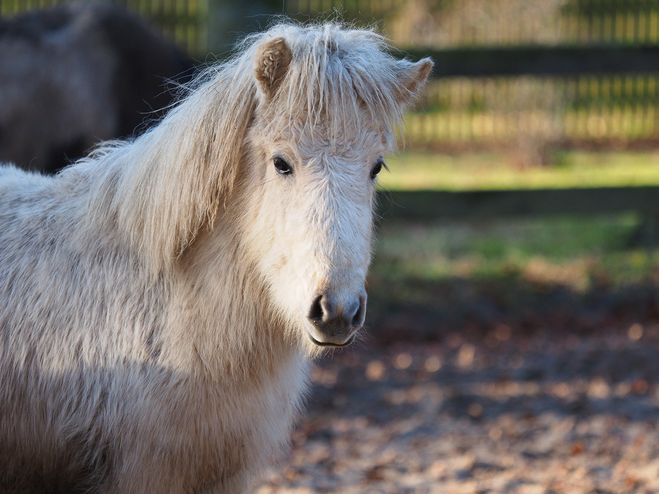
(154,297)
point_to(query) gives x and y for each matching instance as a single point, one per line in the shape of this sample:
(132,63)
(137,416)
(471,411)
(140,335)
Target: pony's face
(315,218)
(312,213)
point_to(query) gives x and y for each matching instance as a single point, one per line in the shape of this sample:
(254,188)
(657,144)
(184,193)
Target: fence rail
(431,205)
(541,60)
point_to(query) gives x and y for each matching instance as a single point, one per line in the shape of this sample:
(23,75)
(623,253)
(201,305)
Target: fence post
(227,20)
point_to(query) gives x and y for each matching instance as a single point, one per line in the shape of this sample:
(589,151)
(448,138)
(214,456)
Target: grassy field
(414,171)
(447,274)
(575,252)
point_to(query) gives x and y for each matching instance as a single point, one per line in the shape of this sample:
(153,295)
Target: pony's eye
(377,168)
(281,166)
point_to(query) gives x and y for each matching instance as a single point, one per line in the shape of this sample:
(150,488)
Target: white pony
(160,300)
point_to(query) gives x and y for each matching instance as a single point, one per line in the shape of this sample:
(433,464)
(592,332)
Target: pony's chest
(253,405)
(246,427)
(269,408)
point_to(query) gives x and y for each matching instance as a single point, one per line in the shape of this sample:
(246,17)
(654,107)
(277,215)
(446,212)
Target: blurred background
(513,298)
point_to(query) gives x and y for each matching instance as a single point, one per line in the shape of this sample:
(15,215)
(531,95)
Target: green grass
(442,268)
(491,171)
(571,251)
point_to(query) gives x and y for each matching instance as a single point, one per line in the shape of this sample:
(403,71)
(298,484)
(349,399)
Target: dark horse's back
(78,74)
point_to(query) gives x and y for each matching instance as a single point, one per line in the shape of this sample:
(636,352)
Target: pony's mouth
(334,345)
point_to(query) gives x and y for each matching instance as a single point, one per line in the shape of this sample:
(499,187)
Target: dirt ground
(539,412)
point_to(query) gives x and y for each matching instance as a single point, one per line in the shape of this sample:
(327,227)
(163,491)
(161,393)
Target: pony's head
(327,103)
(286,139)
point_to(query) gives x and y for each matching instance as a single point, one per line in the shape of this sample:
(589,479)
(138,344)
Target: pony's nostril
(316,313)
(358,318)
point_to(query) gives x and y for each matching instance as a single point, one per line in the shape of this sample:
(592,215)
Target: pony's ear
(270,65)
(411,78)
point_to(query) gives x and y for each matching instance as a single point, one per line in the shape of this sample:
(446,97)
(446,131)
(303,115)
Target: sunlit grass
(489,171)
(419,264)
(576,252)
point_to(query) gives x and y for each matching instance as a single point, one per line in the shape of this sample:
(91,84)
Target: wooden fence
(597,81)
(558,95)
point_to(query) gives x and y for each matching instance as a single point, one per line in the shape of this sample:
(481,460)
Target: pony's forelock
(339,80)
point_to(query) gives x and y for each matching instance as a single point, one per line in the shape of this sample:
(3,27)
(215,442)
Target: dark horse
(78,74)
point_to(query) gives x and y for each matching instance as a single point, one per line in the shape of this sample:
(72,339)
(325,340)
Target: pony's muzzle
(334,322)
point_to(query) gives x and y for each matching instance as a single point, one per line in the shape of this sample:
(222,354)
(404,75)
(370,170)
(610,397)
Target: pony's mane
(162,187)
